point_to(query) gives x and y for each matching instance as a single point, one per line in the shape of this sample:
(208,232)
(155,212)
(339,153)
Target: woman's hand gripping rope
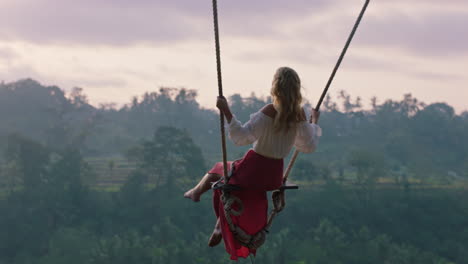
(222,105)
(314,116)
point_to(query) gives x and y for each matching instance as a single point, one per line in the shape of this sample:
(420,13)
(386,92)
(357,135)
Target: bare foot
(216,236)
(192,194)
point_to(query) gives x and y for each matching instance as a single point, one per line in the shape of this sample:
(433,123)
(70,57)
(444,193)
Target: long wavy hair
(287,98)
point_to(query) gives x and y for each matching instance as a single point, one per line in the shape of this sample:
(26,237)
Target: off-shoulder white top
(270,143)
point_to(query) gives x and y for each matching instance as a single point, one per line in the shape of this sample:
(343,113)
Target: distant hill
(406,137)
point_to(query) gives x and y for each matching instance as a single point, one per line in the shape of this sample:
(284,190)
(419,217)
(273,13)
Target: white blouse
(270,143)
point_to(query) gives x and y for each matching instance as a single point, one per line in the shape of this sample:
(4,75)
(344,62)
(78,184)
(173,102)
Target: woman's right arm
(241,134)
(245,134)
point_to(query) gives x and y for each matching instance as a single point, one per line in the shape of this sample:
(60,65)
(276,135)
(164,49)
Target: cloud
(94,22)
(418,4)
(12,67)
(125,22)
(21,71)
(419,27)
(109,82)
(7,54)
(436,34)
(437,76)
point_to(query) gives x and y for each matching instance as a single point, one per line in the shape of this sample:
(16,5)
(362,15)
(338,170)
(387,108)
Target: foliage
(62,220)
(169,156)
(349,210)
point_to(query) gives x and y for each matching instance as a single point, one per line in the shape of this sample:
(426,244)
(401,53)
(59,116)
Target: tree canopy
(387,184)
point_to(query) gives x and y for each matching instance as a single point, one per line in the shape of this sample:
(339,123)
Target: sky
(117,49)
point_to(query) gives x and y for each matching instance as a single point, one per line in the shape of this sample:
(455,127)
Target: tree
(348,105)
(78,97)
(169,156)
(329,105)
(369,167)
(31,158)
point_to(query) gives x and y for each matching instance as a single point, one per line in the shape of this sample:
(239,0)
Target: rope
(256,240)
(250,241)
(220,89)
(229,200)
(332,76)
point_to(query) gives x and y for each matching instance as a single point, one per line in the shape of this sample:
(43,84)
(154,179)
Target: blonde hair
(287,98)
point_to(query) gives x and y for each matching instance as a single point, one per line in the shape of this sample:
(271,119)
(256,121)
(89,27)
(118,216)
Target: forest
(104,184)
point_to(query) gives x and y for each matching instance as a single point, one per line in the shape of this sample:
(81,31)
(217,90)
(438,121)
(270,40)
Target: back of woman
(273,131)
(277,127)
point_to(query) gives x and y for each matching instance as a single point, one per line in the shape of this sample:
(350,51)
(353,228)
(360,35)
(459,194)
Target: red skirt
(256,175)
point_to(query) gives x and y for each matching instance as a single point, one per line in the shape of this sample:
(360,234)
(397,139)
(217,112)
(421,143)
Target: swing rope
(332,76)
(250,241)
(256,240)
(220,89)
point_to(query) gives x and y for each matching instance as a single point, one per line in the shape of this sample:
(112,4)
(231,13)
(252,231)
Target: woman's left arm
(307,137)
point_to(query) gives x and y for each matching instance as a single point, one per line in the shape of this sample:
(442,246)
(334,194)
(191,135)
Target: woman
(273,130)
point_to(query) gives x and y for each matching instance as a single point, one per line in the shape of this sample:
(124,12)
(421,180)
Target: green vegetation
(81,184)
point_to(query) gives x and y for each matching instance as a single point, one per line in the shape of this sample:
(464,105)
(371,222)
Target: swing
(256,240)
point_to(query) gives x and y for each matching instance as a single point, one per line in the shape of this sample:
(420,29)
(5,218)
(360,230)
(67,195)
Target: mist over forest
(103,184)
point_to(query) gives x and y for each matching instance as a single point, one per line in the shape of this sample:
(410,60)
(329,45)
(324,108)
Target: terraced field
(110,171)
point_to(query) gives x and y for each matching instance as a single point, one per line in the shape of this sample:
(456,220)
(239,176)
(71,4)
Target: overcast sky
(116,49)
